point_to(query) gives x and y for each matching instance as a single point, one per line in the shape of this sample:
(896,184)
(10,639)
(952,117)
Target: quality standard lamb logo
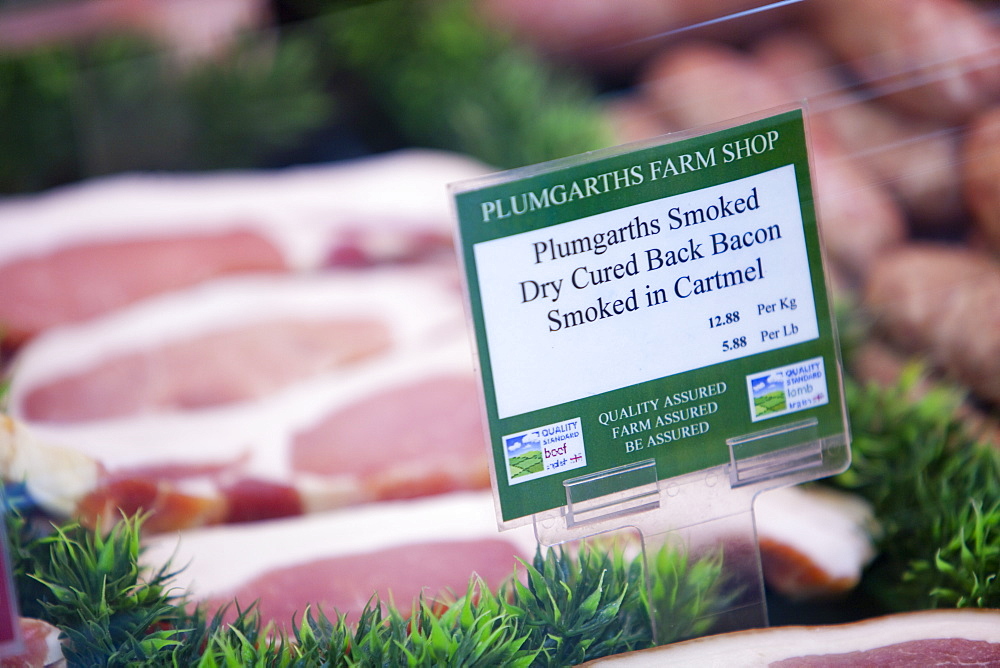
(540,452)
(787,389)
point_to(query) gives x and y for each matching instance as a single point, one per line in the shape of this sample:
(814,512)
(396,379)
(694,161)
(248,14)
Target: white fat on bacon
(458,527)
(256,437)
(415,308)
(78,252)
(304,210)
(815,541)
(276,543)
(929,638)
(203,451)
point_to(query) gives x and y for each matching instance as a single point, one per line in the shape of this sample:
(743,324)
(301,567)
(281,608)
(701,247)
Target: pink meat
(937,57)
(415,439)
(938,652)
(344,584)
(41,645)
(859,218)
(955,637)
(234,365)
(360,246)
(224,494)
(76,283)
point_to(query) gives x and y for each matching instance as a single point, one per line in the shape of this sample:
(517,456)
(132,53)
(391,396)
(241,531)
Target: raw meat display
(814,542)
(72,284)
(935,637)
(914,158)
(398,575)
(262,458)
(79,251)
(981,159)
(41,646)
(943,301)
(449,453)
(274,367)
(399,550)
(429,545)
(858,217)
(931,57)
(226,400)
(229,341)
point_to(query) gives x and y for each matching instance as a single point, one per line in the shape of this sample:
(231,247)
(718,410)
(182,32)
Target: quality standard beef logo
(540,452)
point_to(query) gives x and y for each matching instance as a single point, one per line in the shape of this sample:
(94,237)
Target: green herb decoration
(573,605)
(112,612)
(584,604)
(687,593)
(438,77)
(936,492)
(119,103)
(396,73)
(244,642)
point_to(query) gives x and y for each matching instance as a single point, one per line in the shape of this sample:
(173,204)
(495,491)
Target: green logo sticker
(544,451)
(787,389)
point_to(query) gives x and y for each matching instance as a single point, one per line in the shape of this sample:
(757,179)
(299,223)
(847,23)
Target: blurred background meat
(196,29)
(79,252)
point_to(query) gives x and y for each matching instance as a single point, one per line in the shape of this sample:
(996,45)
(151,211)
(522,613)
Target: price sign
(648,303)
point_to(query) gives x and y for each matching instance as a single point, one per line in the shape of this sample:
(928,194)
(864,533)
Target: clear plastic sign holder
(698,513)
(756,418)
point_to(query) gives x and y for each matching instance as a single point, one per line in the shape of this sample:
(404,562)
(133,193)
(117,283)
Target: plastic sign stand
(656,344)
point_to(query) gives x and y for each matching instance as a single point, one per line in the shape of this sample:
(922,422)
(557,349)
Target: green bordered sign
(649,303)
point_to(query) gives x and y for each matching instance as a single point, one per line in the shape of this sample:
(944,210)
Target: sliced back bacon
(287,422)
(339,560)
(83,250)
(76,283)
(215,369)
(227,342)
(446,452)
(966,637)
